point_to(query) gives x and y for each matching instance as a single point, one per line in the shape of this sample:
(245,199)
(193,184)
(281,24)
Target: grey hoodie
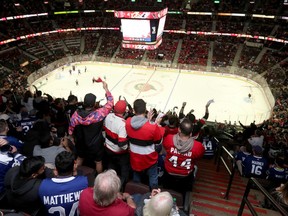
(138,121)
(183,146)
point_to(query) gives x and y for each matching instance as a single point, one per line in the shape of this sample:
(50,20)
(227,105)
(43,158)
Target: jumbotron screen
(142,28)
(129,26)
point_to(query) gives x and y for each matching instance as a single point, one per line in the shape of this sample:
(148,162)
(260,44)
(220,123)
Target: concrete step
(209,190)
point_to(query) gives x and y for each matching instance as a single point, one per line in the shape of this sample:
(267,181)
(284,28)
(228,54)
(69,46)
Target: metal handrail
(231,172)
(254,182)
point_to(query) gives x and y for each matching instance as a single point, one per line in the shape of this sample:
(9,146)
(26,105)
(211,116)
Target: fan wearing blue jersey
(276,173)
(26,122)
(255,165)
(209,142)
(60,195)
(244,152)
(9,157)
(4,128)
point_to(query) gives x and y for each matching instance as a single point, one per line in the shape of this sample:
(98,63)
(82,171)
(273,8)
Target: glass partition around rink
(42,76)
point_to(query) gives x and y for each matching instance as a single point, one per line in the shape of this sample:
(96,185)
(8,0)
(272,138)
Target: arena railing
(254,183)
(224,153)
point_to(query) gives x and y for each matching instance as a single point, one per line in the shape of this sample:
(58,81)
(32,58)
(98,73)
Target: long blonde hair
(282,193)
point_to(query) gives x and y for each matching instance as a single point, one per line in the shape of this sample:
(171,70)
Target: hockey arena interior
(144,107)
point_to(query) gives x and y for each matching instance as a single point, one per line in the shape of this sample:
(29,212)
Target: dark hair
(206,130)
(155,114)
(279,161)
(3,125)
(191,117)
(186,127)
(41,125)
(3,107)
(64,163)
(139,106)
(249,148)
(6,148)
(57,101)
(173,121)
(71,98)
(45,139)
(31,165)
(38,93)
(258,132)
(27,95)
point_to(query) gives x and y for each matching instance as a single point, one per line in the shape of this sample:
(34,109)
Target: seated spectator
(157,203)
(47,149)
(280,194)
(68,145)
(276,173)
(257,139)
(244,152)
(22,185)
(27,101)
(33,136)
(104,198)
(26,122)
(4,135)
(9,157)
(60,195)
(182,151)
(255,165)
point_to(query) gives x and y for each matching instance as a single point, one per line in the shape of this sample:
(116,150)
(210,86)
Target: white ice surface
(164,89)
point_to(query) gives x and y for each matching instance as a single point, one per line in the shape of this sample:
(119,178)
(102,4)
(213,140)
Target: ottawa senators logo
(152,88)
(144,87)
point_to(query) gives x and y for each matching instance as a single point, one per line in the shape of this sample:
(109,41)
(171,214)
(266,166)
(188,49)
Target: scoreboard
(142,27)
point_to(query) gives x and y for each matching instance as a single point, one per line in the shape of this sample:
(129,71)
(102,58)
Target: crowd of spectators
(91,42)
(50,119)
(198,25)
(194,53)
(58,43)
(133,55)
(109,44)
(174,22)
(224,53)
(231,25)
(271,7)
(166,51)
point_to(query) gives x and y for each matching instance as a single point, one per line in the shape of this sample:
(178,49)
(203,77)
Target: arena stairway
(209,190)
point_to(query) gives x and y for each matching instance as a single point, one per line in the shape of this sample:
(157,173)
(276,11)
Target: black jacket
(22,193)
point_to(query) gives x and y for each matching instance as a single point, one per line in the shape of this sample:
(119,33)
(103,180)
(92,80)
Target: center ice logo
(140,86)
(144,87)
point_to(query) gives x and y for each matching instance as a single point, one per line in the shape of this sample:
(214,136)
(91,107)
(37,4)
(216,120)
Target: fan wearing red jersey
(143,136)
(116,142)
(182,151)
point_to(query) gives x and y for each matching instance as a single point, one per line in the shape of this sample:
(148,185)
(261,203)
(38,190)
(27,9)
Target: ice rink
(163,89)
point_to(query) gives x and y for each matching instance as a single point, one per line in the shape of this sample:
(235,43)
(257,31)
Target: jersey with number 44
(181,163)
